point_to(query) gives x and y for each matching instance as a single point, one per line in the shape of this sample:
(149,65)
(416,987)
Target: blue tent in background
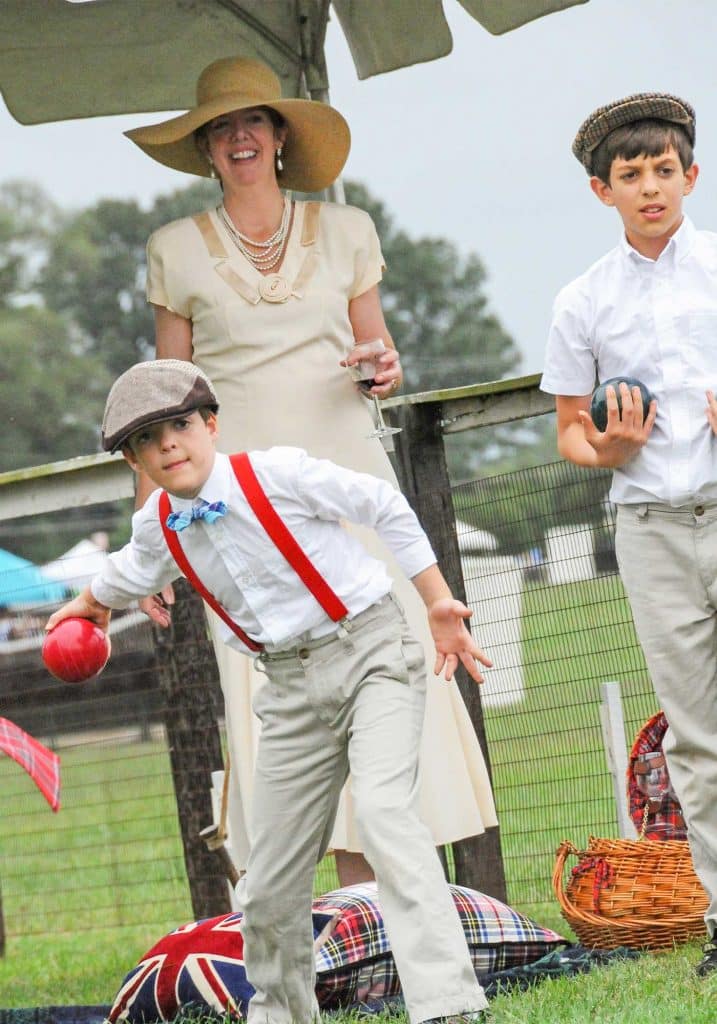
(22,583)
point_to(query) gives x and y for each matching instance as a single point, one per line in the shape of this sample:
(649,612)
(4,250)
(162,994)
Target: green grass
(110,858)
(86,892)
(83,969)
(661,989)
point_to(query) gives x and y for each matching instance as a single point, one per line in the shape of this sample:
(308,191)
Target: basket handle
(565,849)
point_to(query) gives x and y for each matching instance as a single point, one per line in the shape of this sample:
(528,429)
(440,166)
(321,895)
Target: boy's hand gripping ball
(75,650)
(598,405)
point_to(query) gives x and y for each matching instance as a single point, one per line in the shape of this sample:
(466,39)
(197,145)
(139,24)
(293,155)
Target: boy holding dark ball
(648,310)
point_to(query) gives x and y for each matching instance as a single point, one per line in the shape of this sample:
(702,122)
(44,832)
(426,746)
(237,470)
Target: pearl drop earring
(279,162)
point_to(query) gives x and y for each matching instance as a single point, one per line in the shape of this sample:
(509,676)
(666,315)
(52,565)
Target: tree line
(73,315)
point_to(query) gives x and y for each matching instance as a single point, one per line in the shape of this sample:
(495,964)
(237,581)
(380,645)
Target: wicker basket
(631,892)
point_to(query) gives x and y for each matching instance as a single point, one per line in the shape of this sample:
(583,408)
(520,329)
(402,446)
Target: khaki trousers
(668,565)
(354,701)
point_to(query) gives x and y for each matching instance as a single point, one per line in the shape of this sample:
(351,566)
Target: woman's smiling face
(242,145)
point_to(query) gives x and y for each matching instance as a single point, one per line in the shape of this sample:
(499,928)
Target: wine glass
(363,373)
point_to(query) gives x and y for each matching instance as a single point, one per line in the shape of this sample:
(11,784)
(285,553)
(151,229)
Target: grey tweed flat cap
(151,392)
(658,105)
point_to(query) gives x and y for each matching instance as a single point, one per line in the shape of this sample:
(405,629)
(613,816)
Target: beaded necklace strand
(271,250)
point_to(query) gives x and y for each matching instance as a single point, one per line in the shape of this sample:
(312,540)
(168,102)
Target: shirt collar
(215,487)
(679,246)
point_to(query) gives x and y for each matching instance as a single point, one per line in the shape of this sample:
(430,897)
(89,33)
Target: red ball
(75,650)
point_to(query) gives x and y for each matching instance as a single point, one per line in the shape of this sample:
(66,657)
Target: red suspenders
(277,531)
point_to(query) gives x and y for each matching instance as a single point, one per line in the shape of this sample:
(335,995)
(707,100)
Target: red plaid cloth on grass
(41,764)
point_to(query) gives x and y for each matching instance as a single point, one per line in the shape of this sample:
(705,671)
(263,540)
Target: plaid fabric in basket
(648,785)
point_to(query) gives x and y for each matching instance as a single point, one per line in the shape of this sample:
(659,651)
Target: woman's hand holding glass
(375,369)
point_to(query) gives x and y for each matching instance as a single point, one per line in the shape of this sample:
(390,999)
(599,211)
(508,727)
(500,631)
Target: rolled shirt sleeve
(142,567)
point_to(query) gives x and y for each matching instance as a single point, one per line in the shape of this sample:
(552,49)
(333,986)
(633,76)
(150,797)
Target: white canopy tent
(61,59)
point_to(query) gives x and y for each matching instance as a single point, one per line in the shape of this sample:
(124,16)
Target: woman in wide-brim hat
(267,295)
(314,138)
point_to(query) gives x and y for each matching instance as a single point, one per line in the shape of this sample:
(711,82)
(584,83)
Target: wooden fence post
(423,475)
(188,677)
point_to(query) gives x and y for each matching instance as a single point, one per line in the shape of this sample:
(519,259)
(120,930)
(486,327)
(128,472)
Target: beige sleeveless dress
(272,347)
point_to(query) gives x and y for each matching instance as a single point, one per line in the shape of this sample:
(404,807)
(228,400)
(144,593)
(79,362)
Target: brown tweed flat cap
(151,392)
(658,105)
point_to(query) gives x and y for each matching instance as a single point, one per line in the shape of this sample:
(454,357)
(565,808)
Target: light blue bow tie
(179,521)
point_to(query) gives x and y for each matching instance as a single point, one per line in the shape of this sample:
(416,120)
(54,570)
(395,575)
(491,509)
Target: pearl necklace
(271,250)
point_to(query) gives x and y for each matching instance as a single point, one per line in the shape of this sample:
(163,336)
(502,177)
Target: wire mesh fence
(537,557)
(554,617)
(111,856)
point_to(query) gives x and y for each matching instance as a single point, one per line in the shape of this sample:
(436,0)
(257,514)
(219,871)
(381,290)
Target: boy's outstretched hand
(156,606)
(446,618)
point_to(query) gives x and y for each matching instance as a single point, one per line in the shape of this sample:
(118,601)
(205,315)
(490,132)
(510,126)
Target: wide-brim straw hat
(317,142)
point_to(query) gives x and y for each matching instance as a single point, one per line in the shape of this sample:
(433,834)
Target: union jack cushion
(201,964)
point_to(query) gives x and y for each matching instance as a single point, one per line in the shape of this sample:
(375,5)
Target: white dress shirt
(655,320)
(239,564)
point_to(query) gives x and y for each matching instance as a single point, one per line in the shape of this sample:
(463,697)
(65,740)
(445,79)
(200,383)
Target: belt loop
(642,511)
(260,666)
(344,628)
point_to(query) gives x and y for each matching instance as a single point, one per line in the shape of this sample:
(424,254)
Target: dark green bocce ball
(598,406)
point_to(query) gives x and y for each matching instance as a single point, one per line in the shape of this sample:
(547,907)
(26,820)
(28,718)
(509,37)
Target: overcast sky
(474,147)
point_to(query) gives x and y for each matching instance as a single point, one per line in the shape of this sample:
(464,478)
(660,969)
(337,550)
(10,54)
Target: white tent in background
(472,541)
(494,590)
(76,567)
(570,553)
